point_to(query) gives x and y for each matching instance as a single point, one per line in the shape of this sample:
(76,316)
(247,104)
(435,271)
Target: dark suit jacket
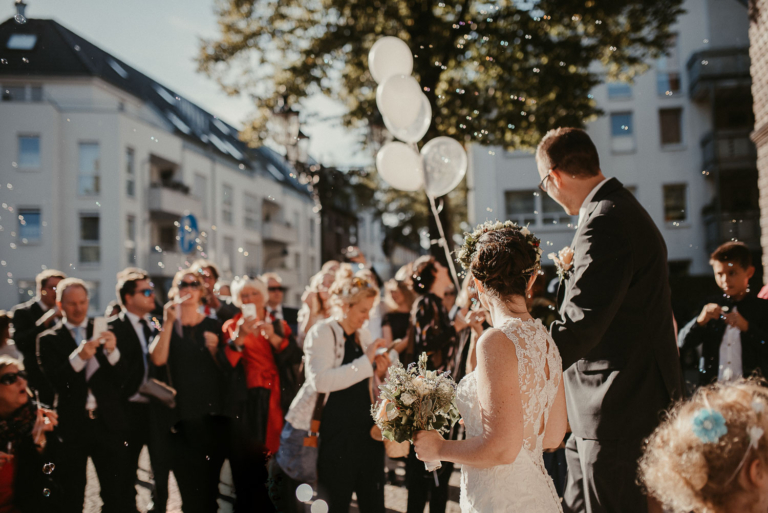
(616,334)
(53,349)
(754,341)
(129,370)
(25,317)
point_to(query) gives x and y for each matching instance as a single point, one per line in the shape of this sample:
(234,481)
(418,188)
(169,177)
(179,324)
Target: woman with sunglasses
(190,346)
(26,457)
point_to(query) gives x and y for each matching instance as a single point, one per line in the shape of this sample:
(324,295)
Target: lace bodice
(523,485)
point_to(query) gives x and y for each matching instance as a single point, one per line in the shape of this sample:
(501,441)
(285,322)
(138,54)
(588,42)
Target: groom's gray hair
(570,150)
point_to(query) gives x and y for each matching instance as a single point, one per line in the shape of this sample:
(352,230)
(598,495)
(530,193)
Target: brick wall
(758,52)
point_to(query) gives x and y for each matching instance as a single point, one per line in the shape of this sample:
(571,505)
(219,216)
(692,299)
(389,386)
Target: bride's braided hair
(502,256)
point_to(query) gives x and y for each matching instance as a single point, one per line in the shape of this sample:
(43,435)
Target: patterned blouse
(433,333)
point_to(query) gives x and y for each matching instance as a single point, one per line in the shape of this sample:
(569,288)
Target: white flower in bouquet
(407,399)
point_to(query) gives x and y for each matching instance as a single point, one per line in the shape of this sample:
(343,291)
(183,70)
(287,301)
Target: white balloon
(400,166)
(445,164)
(399,100)
(389,56)
(418,128)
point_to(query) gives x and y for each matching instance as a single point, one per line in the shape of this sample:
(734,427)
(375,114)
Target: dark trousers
(91,437)
(602,475)
(282,489)
(248,461)
(198,450)
(140,433)
(421,485)
(356,467)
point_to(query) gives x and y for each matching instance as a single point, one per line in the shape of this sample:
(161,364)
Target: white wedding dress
(524,485)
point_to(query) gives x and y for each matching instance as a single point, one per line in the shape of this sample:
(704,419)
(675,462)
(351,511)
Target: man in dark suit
(732,330)
(135,330)
(616,334)
(80,365)
(32,318)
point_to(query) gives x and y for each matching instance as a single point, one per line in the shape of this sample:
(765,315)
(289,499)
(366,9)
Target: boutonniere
(563,261)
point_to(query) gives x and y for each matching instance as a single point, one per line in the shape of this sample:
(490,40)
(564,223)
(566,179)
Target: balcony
(728,149)
(724,67)
(744,227)
(173,200)
(276,231)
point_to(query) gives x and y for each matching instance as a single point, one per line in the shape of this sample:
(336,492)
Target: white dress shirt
(276,312)
(92,364)
(588,200)
(139,329)
(730,367)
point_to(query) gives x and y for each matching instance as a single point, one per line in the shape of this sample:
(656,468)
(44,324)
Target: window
(312,264)
(229,254)
(551,212)
(675,203)
(227,203)
(94,301)
(130,173)
(14,93)
(622,132)
(252,256)
(251,209)
(521,207)
(671,127)
(297,261)
(37,93)
(619,91)
(29,225)
(668,70)
(168,234)
(130,240)
(201,192)
(21,42)
(88,179)
(29,151)
(312,235)
(89,249)
(26,290)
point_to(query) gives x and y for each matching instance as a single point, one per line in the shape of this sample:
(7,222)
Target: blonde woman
(341,359)
(316,306)
(190,345)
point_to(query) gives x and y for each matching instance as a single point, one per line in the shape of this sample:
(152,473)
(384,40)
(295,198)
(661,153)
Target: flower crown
(357,285)
(466,253)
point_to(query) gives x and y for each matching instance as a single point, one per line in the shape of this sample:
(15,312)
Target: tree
(498,73)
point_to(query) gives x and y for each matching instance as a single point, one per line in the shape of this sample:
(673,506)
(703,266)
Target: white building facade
(672,138)
(96,177)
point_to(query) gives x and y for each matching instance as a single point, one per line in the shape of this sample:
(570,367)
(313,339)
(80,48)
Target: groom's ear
(557,178)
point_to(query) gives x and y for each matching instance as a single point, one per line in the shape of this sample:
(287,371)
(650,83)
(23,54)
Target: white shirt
(78,364)
(139,329)
(730,367)
(277,312)
(588,200)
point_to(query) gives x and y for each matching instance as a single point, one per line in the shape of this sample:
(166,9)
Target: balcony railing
(174,201)
(728,150)
(275,231)
(725,65)
(743,226)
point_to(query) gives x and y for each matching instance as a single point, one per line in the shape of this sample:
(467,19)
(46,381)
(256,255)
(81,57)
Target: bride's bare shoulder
(495,343)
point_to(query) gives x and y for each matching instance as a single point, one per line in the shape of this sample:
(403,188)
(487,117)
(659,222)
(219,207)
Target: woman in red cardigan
(255,338)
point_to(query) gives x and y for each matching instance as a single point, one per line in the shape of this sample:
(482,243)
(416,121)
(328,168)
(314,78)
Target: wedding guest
(398,299)
(449,300)
(81,365)
(190,345)
(469,321)
(331,266)
(27,446)
(316,303)
(374,321)
(258,414)
(213,306)
(135,331)
(8,346)
(31,319)
(341,360)
(433,333)
(711,453)
(275,301)
(223,289)
(733,329)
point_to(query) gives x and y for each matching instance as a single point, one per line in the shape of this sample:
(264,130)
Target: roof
(57,51)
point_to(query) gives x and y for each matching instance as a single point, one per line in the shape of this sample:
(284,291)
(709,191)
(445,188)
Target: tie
(147,339)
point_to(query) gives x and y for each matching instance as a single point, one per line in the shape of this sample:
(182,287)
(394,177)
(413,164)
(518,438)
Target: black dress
(398,322)
(349,460)
(198,440)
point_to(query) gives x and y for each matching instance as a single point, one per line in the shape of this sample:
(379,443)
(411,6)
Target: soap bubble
(304,493)
(48,468)
(46,492)
(20,19)
(319,506)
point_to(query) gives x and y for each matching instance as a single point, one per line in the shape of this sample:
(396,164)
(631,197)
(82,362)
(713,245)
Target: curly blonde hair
(349,289)
(688,474)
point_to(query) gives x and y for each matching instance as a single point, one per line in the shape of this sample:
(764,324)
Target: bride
(513,404)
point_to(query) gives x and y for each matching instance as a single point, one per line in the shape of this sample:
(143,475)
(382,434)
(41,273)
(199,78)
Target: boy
(733,331)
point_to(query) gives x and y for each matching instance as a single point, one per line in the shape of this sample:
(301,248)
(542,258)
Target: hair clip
(709,425)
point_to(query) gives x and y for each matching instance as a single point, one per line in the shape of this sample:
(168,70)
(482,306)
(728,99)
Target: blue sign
(188,234)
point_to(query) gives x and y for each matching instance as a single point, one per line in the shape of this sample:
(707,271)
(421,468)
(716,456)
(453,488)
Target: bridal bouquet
(415,399)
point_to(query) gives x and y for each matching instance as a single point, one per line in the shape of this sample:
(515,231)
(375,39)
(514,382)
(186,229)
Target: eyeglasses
(12,377)
(146,292)
(189,284)
(277,289)
(542,183)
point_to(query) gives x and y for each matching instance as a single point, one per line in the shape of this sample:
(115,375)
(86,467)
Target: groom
(615,333)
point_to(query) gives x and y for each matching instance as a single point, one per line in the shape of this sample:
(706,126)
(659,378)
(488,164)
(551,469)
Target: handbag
(162,392)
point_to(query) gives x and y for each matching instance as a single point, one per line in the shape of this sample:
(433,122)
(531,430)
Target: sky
(160,39)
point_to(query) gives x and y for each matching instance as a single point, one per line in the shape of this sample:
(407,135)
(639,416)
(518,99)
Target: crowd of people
(224,371)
